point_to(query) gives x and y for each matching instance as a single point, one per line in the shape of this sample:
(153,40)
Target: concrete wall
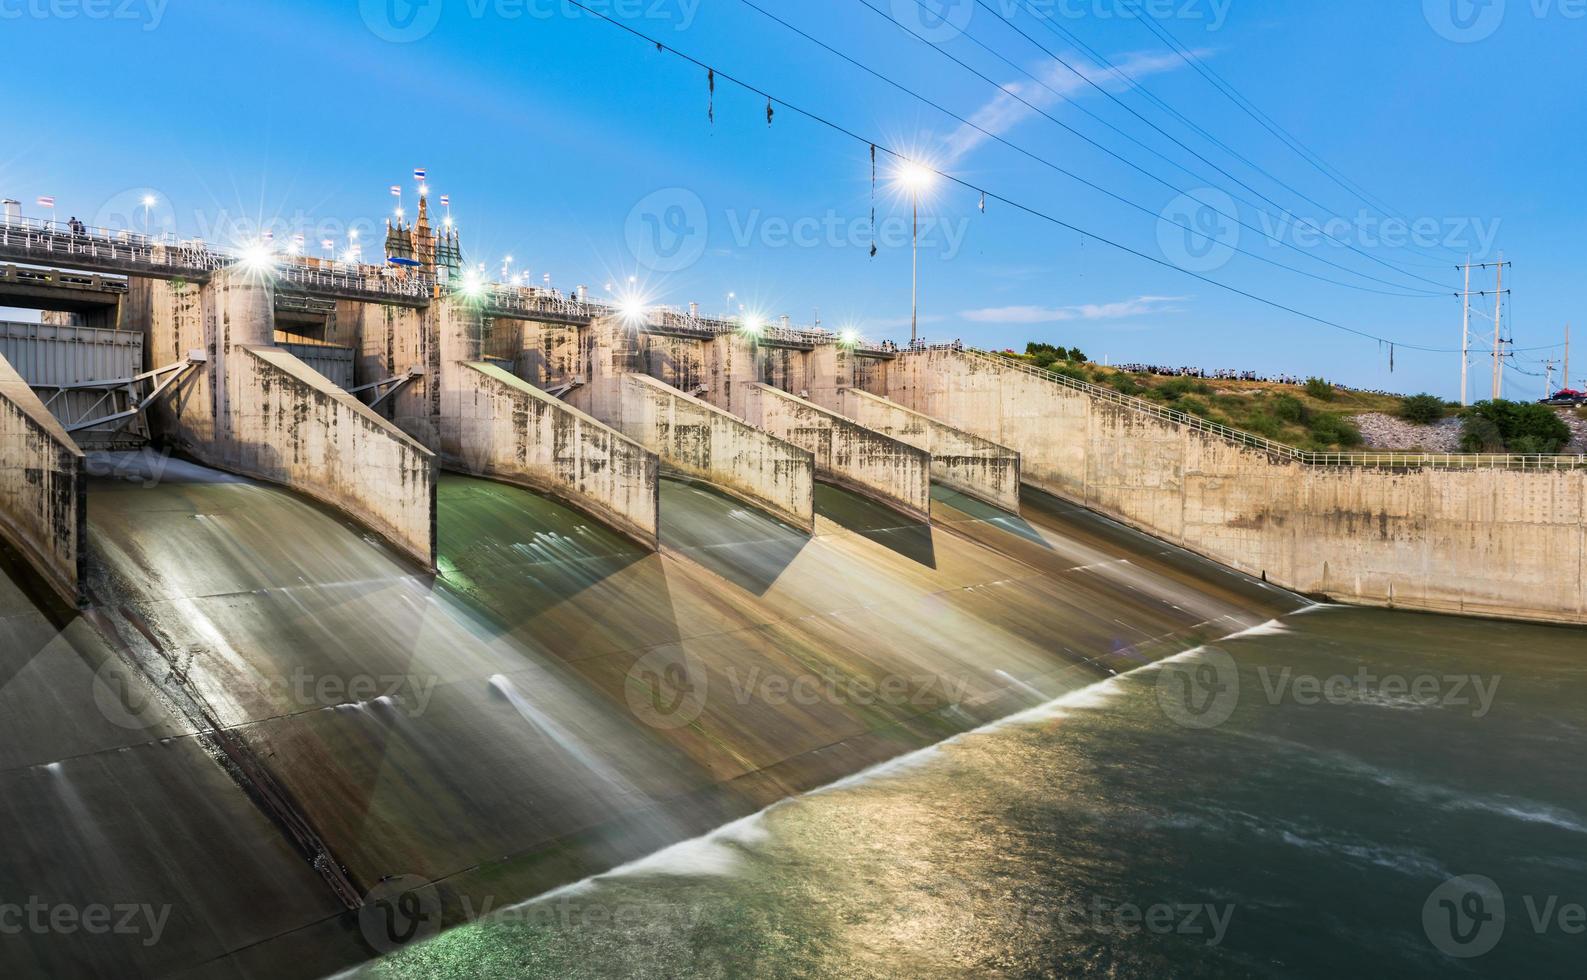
(504,428)
(544,354)
(43,511)
(1483,542)
(704,441)
(296,428)
(256,410)
(390,341)
(964,462)
(847,453)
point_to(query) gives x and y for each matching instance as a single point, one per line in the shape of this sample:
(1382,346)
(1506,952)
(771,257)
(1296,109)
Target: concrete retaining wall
(1483,542)
(704,441)
(43,510)
(846,452)
(502,427)
(964,462)
(294,427)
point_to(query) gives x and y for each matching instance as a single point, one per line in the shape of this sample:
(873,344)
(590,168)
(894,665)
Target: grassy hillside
(1313,416)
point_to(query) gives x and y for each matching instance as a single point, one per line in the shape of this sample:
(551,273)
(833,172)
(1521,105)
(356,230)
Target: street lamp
(916,179)
(148,202)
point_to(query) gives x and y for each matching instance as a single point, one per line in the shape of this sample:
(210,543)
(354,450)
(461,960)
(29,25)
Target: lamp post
(916,179)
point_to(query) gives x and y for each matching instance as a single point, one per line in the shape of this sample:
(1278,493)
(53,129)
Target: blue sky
(586,154)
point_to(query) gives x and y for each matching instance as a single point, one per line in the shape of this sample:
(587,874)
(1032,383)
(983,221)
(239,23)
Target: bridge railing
(530,300)
(1448,461)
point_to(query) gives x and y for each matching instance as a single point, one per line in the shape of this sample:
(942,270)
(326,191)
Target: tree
(1076,355)
(1422,409)
(1320,389)
(1514,427)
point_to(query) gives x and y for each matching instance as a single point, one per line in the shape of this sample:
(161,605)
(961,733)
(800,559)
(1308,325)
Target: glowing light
(753,323)
(917,178)
(473,284)
(399,212)
(352,234)
(849,337)
(256,257)
(632,309)
(424,188)
(448,222)
(148,200)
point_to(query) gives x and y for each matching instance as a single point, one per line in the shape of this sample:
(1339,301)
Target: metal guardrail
(1453,461)
(42,242)
(674,320)
(500,297)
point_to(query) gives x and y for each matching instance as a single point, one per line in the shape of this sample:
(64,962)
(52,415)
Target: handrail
(1303,457)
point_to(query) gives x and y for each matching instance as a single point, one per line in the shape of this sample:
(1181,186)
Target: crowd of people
(1223,374)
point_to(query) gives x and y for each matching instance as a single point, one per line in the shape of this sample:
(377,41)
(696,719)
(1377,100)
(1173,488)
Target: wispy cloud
(1005,110)
(1139,306)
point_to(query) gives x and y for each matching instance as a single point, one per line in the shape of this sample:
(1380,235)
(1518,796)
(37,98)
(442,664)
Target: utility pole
(1566,383)
(1465,336)
(1498,333)
(1548,379)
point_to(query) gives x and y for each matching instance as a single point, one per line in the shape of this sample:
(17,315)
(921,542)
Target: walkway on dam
(497,729)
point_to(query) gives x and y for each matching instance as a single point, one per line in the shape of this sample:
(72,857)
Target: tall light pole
(916,179)
(148,202)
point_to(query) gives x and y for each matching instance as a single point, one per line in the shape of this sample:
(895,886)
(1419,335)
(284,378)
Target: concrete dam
(327,588)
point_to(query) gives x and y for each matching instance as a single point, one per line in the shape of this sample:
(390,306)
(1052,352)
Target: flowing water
(557,703)
(1302,819)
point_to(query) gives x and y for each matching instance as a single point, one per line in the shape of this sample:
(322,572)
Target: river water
(1340,791)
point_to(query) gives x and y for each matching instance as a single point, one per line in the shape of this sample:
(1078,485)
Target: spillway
(266,710)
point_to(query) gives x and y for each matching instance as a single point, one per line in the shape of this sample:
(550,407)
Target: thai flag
(327,244)
(418,173)
(396,190)
(446,201)
(297,239)
(46,202)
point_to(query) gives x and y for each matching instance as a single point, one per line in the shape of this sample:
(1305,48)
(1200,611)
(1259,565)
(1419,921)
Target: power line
(1419,291)
(1131,82)
(1266,121)
(992,195)
(1182,145)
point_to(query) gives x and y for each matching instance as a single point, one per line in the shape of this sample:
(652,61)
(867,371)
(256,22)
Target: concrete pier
(847,453)
(43,510)
(703,441)
(960,461)
(256,410)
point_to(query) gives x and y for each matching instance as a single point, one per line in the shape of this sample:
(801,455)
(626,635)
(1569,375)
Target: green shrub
(1068,371)
(1263,424)
(1515,427)
(1124,384)
(1179,387)
(1320,389)
(1331,428)
(1422,409)
(1288,408)
(1193,406)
